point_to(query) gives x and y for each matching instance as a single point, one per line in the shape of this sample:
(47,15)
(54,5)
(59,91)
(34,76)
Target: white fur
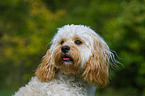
(62,85)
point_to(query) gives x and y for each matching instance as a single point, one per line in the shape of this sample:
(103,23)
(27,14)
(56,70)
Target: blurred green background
(27,26)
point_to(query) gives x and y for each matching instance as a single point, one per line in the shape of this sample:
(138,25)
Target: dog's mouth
(67,58)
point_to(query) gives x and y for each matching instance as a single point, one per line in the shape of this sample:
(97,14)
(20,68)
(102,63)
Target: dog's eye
(78,42)
(61,42)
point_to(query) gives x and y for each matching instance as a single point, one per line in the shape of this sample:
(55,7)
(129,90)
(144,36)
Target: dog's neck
(77,77)
(76,80)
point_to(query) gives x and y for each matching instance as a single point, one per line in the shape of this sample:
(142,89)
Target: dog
(76,63)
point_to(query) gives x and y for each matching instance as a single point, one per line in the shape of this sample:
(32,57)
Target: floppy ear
(45,70)
(96,71)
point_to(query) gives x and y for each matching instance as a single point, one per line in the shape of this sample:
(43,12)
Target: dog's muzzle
(65,49)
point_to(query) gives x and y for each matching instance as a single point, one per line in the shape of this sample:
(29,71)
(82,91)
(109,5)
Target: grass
(102,92)
(7,92)
(115,92)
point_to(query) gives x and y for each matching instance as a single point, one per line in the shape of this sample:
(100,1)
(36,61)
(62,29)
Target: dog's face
(76,49)
(71,49)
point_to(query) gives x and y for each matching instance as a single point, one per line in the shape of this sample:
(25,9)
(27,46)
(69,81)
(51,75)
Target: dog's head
(76,49)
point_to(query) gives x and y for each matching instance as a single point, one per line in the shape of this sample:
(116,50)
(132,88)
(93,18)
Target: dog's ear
(96,71)
(45,70)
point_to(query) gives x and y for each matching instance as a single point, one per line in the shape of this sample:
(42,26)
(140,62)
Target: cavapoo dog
(77,61)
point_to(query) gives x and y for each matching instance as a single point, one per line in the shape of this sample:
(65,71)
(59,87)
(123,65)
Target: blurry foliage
(27,26)
(127,34)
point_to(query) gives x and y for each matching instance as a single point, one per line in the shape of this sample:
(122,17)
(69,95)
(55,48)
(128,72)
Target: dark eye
(62,42)
(78,42)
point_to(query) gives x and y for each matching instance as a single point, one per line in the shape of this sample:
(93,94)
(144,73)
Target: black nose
(65,49)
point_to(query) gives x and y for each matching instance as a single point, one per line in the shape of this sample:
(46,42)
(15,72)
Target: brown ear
(96,71)
(45,70)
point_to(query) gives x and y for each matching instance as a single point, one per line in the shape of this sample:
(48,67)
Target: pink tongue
(65,58)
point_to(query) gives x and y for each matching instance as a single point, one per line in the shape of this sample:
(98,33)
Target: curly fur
(62,85)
